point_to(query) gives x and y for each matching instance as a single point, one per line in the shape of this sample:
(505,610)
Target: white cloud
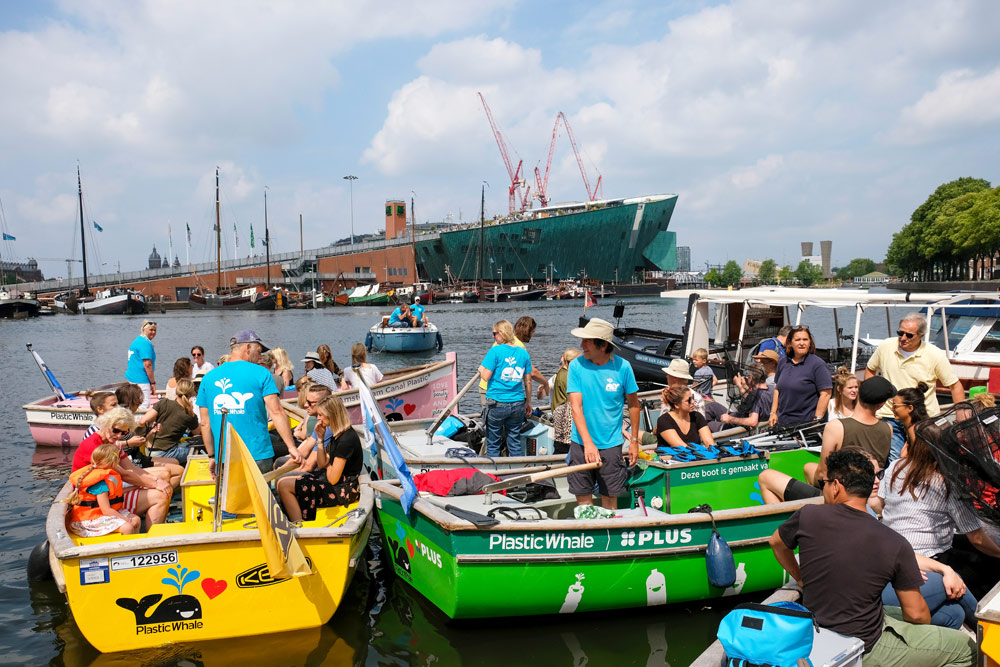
(961,103)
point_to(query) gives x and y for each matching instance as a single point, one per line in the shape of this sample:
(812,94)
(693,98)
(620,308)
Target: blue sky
(774,122)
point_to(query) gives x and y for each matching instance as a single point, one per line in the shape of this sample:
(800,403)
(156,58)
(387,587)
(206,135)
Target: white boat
(385,338)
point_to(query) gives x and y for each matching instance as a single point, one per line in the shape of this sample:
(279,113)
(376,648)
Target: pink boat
(417,392)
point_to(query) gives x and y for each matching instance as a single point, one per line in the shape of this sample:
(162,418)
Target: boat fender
(719,561)
(440,342)
(368,341)
(38,562)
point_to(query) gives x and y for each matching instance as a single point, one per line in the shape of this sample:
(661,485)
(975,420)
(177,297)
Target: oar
(521,480)
(287,467)
(444,413)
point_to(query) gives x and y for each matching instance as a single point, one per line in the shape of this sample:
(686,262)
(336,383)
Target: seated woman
(145,493)
(283,367)
(845,394)
(369,372)
(97,501)
(915,502)
(339,462)
(174,419)
(681,425)
(908,407)
(182,369)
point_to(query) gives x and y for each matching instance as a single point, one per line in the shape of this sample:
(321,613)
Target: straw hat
(596,329)
(770,355)
(679,368)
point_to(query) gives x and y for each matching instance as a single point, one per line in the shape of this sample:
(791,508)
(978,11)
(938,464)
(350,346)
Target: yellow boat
(988,633)
(204,578)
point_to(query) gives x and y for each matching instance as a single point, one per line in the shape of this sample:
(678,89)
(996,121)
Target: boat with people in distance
(384,338)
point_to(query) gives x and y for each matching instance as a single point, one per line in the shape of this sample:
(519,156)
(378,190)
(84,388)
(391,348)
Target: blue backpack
(778,634)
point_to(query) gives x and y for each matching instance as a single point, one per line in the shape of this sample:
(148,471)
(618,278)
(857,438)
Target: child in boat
(704,378)
(98,497)
(100,402)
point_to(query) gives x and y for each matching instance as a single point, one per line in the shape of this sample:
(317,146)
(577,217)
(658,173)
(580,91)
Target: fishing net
(966,445)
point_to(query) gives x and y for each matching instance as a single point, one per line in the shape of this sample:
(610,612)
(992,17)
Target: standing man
(906,361)
(599,385)
(846,557)
(317,372)
(777,344)
(142,361)
(248,391)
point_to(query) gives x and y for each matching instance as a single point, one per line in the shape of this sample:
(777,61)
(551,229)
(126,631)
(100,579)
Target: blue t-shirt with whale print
(603,390)
(241,387)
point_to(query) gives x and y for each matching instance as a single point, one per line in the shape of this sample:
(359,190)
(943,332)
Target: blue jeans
(498,417)
(898,439)
(179,452)
(945,612)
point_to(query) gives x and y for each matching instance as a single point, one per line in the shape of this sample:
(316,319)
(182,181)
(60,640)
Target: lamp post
(350,178)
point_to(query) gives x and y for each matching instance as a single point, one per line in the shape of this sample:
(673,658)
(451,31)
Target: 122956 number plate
(154,559)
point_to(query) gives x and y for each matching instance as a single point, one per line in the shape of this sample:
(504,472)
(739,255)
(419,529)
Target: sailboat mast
(482,222)
(267,241)
(83,232)
(413,240)
(218,237)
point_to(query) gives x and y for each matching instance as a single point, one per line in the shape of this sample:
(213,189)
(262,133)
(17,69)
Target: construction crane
(542,184)
(69,263)
(516,180)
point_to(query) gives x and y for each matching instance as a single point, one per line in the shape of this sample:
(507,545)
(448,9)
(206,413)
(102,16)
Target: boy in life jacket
(97,497)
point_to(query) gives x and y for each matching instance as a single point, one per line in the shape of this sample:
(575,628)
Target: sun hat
(768,354)
(876,391)
(679,368)
(313,357)
(596,329)
(248,336)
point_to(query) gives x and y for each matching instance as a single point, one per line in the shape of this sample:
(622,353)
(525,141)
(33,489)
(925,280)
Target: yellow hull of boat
(182,582)
(989,646)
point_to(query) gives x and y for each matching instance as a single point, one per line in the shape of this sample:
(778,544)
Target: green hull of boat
(551,567)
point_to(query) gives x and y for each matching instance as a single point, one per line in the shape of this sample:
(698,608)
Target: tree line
(954,235)
(769,273)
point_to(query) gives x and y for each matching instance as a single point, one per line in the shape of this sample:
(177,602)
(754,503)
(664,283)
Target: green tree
(858,266)
(768,272)
(731,274)
(714,278)
(786,275)
(808,273)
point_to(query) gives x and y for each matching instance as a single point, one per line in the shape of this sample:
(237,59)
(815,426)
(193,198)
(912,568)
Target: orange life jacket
(88,508)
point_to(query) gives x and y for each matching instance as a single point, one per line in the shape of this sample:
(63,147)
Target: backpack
(777,634)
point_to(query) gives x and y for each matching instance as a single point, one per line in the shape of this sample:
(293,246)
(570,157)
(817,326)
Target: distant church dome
(154,259)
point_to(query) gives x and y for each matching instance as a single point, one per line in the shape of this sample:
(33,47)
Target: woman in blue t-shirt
(803,383)
(506,369)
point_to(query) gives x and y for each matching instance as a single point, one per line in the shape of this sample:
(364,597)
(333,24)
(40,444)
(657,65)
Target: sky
(773,122)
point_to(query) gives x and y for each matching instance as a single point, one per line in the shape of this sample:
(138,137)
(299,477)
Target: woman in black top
(682,425)
(339,462)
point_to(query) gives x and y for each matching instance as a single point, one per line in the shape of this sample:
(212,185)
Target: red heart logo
(212,587)
(409,408)
(409,547)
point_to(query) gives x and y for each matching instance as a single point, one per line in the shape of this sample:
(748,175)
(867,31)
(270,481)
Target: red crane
(543,183)
(516,181)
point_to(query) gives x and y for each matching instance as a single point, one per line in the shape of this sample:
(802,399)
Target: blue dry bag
(767,634)
(449,426)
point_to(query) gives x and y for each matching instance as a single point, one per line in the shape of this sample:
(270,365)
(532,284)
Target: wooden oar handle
(521,480)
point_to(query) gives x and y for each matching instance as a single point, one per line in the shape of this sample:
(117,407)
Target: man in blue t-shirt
(506,368)
(417,313)
(142,361)
(248,391)
(401,316)
(598,385)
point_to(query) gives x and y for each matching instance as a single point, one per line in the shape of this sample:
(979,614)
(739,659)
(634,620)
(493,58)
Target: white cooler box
(831,649)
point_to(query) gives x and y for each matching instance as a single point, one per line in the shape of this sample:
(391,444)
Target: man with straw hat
(598,385)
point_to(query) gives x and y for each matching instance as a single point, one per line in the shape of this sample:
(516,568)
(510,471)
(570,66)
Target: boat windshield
(958,327)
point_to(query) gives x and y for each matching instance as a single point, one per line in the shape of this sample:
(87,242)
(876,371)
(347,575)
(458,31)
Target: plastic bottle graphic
(656,589)
(741,578)
(573,596)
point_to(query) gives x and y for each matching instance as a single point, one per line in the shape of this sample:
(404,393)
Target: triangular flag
(590,300)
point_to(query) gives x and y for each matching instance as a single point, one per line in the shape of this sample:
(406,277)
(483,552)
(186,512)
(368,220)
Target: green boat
(627,237)
(368,295)
(537,559)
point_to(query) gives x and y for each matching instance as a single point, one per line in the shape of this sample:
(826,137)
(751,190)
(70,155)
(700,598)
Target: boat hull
(16,309)
(55,423)
(130,303)
(231,302)
(391,339)
(181,582)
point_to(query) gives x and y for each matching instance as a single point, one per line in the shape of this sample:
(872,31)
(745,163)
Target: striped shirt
(929,522)
(323,376)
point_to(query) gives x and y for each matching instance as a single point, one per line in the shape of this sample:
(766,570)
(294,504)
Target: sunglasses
(149,324)
(800,327)
(496,333)
(689,399)
(197,354)
(311,403)
(120,431)
(905,334)
(880,474)
(824,482)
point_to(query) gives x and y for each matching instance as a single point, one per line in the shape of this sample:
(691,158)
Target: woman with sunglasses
(145,493)
(198,361)
(506,369)
(682,424)
(339,462)
(802,384)
(908,408)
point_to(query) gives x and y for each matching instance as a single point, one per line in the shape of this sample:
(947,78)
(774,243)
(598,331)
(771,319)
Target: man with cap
(599,385)
(247,390)
(769,360)
(417,313)
(317,372)
(755,405)
(863,429)
(908,360)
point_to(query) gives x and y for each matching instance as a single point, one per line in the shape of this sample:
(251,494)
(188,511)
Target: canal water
(382,621)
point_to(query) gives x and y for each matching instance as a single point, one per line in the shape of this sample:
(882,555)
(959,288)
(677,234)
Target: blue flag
(377,431)
(8,237)
(98,227)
